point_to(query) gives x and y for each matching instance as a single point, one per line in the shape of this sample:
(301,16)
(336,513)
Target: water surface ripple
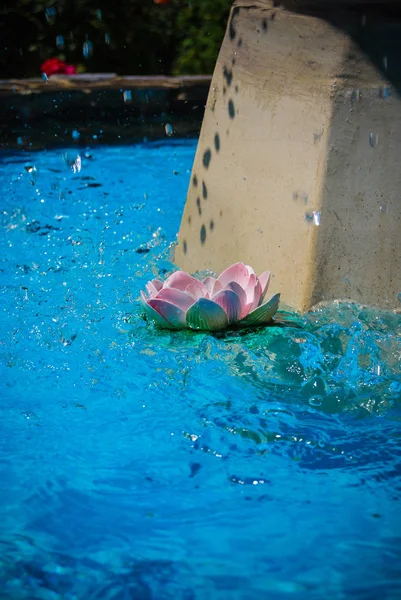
(143,464)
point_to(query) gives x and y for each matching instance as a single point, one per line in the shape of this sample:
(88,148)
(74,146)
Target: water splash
(60,42)
(313,217)
(373,139)
(87,49)
(127,95)
(73,162)
(50,14)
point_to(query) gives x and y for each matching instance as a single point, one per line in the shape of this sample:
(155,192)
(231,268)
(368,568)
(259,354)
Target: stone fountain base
(298,164)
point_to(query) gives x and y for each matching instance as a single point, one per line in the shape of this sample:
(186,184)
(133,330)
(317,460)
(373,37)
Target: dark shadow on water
(278,322)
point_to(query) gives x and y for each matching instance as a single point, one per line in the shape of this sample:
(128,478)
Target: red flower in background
(55,66)
(161,1)
(70,70)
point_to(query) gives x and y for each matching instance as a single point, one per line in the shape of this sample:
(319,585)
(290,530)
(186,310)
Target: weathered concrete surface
(298,168)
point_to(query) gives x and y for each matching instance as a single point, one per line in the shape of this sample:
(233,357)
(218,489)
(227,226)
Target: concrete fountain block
(298,163)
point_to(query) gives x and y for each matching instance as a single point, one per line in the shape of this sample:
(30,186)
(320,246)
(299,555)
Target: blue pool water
(142,464)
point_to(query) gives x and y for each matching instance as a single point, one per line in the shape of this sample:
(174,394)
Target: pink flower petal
(180,281)
(238,273)
(174,315)
(206,315)
(144,300)
(154,286)
(150,288)
(153,315)
(257,295)
(196,291)
(262,314)
(250,270)
(209,282)
(250,290)
(264,279)
(216,288)
(230,303)
(176,297)
(237,289)
(253,294)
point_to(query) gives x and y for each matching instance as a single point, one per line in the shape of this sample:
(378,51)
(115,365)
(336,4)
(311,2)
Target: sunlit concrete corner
(297,168)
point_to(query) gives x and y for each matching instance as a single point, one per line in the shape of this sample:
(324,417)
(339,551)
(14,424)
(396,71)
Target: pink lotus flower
(236,297)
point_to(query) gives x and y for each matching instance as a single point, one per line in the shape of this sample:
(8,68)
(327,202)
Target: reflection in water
(138,463)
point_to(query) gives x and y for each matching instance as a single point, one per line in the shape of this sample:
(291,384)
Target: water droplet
(60,42)
(75,135)
(373,139)
(315,401)
(395,387)
(313,217)
(44,77)
(169,129)
(67,335)
(127,95)
(316,218)
(107,38)
(385,62)
(33,173)
(356,95)
(383,208)
(50,14)
(20,141)
(99,14)
(87,49)
(399,297)
(74,162)
(384,92)
(377,369)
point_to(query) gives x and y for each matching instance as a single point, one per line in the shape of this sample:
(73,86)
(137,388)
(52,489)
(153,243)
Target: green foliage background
(128,37)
